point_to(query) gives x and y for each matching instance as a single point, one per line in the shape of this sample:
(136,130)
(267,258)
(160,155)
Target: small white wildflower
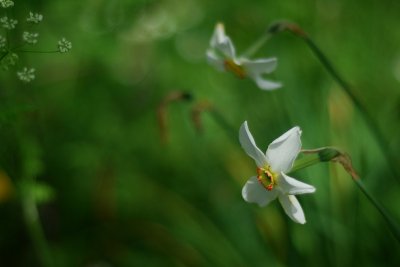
(8,23)
(6,3)
(3,42)
(9,60)
(34,17)
(30,37)
(26,75)
(64,45)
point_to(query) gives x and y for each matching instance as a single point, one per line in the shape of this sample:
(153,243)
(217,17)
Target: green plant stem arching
(391,157)
(257,45)
(393,226)
(327,154)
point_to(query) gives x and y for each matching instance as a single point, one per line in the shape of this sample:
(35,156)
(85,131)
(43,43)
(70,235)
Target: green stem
(305,162)
(388,153)
(257,45)
(31,216)
(228,128)
(3,56)
(393,226)
(38,52)
(32,220)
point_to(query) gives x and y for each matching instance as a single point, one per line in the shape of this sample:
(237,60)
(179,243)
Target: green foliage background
(87,128)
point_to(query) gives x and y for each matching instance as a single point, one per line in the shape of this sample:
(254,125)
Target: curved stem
(257,45)
(371,123)
(305,162)
(393,226)
(35,231)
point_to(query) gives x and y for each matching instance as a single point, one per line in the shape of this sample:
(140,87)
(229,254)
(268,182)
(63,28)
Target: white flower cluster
(9,50)
(6,3)
(9,60)
(64,45)
(34,17)
(2,43)
(7,23)
(30,37)
(26,75)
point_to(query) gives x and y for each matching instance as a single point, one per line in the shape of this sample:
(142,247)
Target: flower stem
(4,55)
(373,126)
(38,52)
(326,154)
(229,129)
(35,231)
(393,226)
(207,107)
(257,45)
(304,162)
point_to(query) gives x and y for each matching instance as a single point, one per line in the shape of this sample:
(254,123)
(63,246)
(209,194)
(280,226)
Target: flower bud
(328,154)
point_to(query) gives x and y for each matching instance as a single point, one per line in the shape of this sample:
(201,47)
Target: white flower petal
(249,145)
(221,42)
(265,84)
(227,48)
(258,66)
(215,61)
(254,192)
(292,208)
(218,36)
(292,186)
(282,152)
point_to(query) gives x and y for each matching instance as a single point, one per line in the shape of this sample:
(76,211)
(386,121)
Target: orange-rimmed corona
(236,69)
(266,178)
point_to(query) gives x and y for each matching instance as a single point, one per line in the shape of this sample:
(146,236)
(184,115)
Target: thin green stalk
(257,45)
(3,56)
(305,162)
(37,52)
(35,231)
(228,128)
(393,226)
(388,153)
(326,154)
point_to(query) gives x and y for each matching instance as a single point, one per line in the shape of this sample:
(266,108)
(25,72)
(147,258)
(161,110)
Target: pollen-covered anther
(236,69)
(265,178)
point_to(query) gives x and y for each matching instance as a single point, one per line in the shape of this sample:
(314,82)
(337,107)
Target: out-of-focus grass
(123,198)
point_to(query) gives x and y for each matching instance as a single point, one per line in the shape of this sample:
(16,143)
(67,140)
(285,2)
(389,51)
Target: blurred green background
(115,194)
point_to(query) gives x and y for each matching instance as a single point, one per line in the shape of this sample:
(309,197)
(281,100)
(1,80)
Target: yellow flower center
(236,69)
(266,177)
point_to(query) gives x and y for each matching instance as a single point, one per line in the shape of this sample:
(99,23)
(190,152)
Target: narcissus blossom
(222,56)
(271,181)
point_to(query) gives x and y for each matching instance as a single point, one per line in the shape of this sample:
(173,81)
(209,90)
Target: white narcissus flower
(271,181)
(222,56)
